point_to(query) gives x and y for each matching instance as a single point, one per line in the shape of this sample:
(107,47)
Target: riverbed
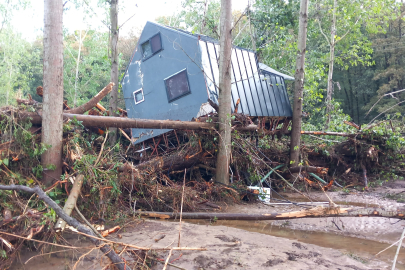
(320,243)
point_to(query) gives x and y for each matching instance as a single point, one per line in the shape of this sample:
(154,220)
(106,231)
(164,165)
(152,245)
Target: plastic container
(264,193)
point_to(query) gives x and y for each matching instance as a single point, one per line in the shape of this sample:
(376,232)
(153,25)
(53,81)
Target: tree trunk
(224,114)
(52,121)
(114,31)
(81,40)
(332,44)
(299,85)
(317,212)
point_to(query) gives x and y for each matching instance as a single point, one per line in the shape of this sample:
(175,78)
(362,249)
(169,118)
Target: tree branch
(116,260)
(347,31)
(320,28)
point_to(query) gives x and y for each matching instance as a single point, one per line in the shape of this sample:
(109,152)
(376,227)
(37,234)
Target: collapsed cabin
(173,73)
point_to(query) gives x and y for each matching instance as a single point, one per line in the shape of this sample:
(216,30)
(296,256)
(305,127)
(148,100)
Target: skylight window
(177,85)
(152,46)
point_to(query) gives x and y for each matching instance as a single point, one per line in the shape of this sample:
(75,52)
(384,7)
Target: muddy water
(354,247)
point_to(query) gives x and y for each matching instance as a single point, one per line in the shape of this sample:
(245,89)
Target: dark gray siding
(180,51)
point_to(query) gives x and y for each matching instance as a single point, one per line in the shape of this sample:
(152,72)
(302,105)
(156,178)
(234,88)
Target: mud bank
(227,248)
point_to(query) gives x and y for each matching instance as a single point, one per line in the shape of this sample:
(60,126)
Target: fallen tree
(317,212)
(92,102)
(106,249)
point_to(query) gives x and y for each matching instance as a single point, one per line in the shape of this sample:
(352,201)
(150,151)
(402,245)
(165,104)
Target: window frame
(188,83)
(150,44)
(143,96)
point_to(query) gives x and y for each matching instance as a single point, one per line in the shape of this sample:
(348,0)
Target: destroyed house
(173,73)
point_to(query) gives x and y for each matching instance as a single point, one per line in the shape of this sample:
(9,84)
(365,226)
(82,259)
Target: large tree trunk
(114,66)
(52,121)
(299,85)
(332,44)
(224,114)
(317,212)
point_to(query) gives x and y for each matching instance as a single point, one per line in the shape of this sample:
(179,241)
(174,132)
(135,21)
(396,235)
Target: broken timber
(317,212)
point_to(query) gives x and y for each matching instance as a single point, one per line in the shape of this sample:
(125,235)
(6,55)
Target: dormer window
(151,47)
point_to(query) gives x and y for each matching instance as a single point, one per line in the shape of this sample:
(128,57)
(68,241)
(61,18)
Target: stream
(357,248)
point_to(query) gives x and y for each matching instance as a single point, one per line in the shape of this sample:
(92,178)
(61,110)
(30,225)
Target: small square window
(152,46)
(177,85)
(138,96)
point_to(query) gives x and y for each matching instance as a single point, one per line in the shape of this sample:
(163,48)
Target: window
(138,96)
(177,85)
(152,46)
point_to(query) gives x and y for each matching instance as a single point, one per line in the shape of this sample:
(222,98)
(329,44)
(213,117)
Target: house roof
(269,69)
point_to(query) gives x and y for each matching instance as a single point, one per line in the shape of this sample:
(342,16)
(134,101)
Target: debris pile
(149,175)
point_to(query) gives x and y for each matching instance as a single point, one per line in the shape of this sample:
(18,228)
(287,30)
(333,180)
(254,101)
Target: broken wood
(106,249)
(110,231)
(317,212)
(342,134)
(70,203)
(26,101)
(312,169)
(92,102)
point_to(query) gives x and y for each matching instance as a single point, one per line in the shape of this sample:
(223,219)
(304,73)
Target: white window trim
(143,97)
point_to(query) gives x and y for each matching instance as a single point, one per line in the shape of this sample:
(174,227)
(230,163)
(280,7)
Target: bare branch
(320,28)
(126,21)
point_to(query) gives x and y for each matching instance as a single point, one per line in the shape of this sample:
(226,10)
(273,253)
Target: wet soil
(227,248)
(325,243)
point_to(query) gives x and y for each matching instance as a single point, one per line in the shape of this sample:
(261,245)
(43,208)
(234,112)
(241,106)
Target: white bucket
(264,195)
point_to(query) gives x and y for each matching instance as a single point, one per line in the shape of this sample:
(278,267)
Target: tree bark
(116,260)
(329,91)
(317,212)
(52,121)
(299,85)
(224,100)
(92,102)
(114,31)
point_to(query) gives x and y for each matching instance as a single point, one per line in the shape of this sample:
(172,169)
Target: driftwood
(106,249)
(317,212)
(70,203)
(92,102)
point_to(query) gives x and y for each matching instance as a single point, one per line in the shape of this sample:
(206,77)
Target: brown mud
(321,243)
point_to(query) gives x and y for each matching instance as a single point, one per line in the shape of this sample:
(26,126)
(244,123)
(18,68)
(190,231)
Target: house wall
(180,51)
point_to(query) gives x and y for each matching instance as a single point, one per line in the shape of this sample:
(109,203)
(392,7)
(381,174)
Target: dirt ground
(327,243)
(227,248)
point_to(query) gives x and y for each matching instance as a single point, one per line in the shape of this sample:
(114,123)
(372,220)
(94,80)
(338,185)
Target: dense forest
(367,52)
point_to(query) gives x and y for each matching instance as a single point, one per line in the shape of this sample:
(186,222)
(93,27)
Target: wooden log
(70,203)
(317,212)
(92,102)
(26,101)
(312,169)
(342,134)
(173,162)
